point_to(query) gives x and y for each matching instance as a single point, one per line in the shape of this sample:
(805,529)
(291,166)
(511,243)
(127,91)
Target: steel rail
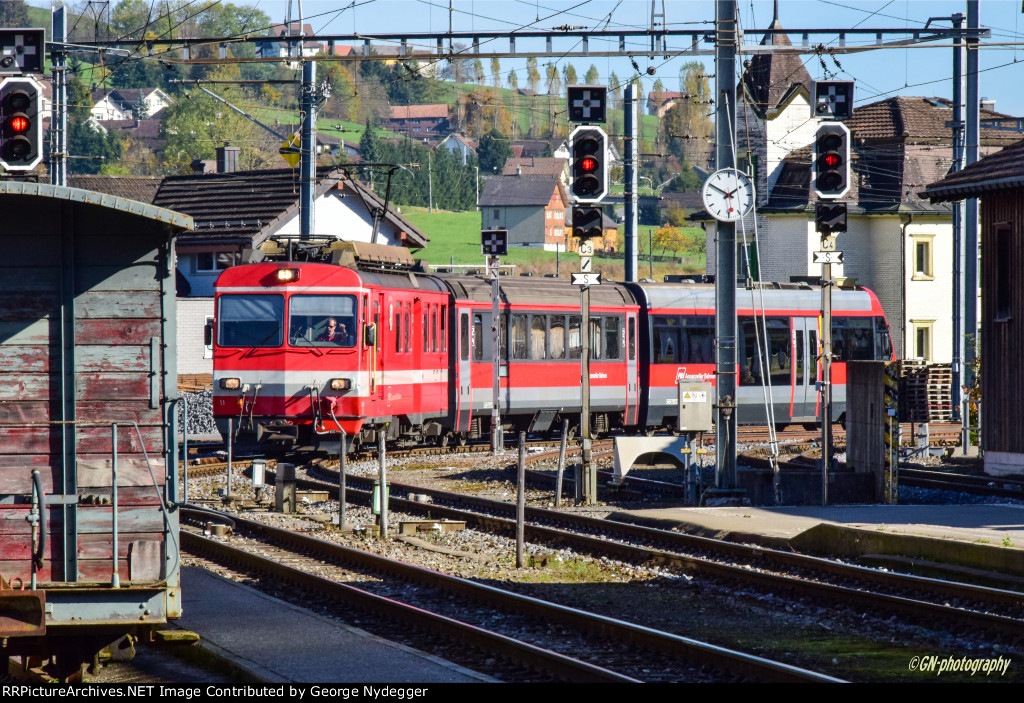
(747,665)
(762,557)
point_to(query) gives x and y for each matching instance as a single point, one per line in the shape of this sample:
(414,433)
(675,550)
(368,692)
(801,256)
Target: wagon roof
(134,207)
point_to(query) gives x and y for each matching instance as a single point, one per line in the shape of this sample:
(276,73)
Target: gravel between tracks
(858,646)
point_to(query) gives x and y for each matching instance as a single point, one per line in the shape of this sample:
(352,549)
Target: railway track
(963,483)
(959,607)
(534,639)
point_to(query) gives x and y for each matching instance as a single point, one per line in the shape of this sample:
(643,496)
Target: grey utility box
(696,400)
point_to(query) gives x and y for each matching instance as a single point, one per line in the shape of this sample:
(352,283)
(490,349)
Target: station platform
(981,543)
(267,640)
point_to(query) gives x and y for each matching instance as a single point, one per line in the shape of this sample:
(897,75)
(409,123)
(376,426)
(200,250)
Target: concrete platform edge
(853,542)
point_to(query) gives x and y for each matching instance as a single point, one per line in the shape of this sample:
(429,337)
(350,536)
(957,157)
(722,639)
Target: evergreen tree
(493,152)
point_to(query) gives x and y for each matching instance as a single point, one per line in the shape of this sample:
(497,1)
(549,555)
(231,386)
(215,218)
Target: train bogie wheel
(461,439)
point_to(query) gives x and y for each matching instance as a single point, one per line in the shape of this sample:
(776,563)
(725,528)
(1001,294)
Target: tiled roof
(916,119)
(249,206)
(772,78)
(511,191)
(1001,170)
(885,178)
(137,129)
(142,189)
(535,166)
(419,112)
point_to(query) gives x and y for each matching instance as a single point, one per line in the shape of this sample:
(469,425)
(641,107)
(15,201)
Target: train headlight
(230,384)
(287,275)
(341,384)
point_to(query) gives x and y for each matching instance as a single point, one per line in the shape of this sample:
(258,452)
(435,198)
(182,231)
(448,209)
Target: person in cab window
(335,333)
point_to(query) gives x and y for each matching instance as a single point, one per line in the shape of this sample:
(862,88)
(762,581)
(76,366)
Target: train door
(632,382)
(805,394)
(766,369)
(465,351)
(382,319)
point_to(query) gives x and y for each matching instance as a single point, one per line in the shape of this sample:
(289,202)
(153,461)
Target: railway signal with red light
(588,177)
(21,124)
(831,160)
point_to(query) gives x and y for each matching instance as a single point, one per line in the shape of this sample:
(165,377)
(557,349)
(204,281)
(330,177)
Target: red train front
(303,350)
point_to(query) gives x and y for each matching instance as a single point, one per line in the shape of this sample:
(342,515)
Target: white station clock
(728,195)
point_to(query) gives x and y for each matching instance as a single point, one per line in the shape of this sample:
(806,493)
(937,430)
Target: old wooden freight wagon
(87,410)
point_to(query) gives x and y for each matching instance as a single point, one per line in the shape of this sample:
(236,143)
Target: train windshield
(322,321)
(251,321)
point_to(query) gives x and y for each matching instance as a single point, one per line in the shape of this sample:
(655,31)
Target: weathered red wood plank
(25,386)
(111,305)
(112,386)
(130,331)
(107,411)
(92,519)
(96,439)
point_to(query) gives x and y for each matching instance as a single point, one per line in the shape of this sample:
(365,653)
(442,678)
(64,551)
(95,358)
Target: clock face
(728,195)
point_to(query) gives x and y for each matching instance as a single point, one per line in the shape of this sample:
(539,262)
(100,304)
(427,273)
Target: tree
(668,237)
(513,84)
(592,76)
(369,148)
(13,13)
(569,73)
(532,74)
(493,152)
(131,18)
(614,92)
(496,72)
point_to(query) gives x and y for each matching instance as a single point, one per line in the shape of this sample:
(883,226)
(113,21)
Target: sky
(878,74)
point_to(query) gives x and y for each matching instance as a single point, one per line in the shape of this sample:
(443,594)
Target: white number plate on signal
(586,279)
(586,247)
(828,257)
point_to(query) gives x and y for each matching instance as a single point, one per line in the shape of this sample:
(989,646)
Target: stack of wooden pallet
(926,392)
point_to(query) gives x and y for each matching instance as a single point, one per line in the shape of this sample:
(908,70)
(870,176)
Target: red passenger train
(411,354)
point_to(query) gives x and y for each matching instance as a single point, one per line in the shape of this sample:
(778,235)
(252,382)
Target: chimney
(519,169)
(227,159)
(198,167)
(987,104)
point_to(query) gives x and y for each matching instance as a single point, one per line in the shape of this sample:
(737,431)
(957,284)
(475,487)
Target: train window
(798,359)
(426,331)
(538,335)
(556,337)
(813,354)
(251,321)
(503,335)
(883,343)
(444,337)
(478,337)
(666,339)
(852,338)
(433,328)
(322,320)
(696,337)
(631,342)
(398,331)
(575,337)
(611,338)
(408,332)
(780,353)
(519,336)
(464,336)
(595,338)
(777,340)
